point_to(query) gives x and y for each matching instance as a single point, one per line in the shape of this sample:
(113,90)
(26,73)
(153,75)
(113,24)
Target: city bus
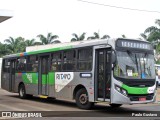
(113,71)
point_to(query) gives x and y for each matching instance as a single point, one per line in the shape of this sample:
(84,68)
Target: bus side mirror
(114,59)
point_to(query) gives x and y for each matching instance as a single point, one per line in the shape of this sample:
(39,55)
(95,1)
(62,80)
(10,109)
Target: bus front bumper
(118,98)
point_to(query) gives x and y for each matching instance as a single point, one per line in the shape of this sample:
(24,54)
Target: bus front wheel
(22,91)
(82,99)
(115,105)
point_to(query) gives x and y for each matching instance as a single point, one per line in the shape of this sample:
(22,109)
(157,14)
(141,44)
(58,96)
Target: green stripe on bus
(47,50)
(135,90)
(51,78)
(44,79)
(48,78)
(30,78)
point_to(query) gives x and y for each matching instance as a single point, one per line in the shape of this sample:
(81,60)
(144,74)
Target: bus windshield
(131,65)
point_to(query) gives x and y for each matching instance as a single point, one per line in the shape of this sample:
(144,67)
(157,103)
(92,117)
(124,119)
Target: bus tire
(115,105)
(82,99)
(22,91)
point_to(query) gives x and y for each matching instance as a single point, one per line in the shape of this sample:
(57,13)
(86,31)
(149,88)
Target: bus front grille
(137,97)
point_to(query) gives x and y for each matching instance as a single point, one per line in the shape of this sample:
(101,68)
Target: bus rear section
(8,75)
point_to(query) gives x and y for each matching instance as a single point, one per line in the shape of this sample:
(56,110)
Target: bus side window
(69,58)
(21,64)
(85,59)
(56,61)
(6,65)
(3,65)
(32,63)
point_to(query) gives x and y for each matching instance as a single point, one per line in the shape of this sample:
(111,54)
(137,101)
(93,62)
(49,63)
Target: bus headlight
(124,92)
(121,90)
(118,88)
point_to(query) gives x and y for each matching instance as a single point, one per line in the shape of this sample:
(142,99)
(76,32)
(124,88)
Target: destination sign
(134,44)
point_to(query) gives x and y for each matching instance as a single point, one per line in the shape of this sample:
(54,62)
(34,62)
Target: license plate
(142,99)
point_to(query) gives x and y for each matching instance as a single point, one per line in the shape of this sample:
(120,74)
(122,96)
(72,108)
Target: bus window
(56,61)
(6,66)
(84,59)
(21,64)
(32,63)
(69,58)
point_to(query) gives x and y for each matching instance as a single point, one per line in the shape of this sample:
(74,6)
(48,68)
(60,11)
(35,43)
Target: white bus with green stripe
(115,71)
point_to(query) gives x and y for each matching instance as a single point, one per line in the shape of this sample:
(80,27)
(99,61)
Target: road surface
(10,102)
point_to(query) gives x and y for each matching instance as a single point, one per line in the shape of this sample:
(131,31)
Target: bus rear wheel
(22,91)
(115,105)
(82,99)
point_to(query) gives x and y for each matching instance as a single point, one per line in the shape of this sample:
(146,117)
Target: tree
(30,42)
(144,36)
(157,54)
(97,36)
(158,48)
(105,37)
(78,38)
(152,34)
(123,36)
(15,45)
(50,39)
(3,49)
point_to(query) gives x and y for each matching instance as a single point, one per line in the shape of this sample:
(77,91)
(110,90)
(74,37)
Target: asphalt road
(10,102)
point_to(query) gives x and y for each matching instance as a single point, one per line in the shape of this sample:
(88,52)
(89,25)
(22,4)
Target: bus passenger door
(103,74)
(8,76)
(43,75)
(12,75)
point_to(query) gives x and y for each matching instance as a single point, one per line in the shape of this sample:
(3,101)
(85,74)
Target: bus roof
(73,44)
(63,46)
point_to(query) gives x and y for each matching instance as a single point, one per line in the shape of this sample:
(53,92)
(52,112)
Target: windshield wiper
(146,54)
(148,67)
(131,56)
(134,61)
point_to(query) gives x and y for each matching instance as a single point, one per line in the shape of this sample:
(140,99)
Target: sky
(64,17)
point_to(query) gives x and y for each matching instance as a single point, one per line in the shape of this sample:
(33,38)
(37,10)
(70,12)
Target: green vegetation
(152,34)
(15,45)
(78,38)
(97,36)
(50,39)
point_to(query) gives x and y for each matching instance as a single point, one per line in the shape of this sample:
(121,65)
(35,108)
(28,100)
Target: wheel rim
(21,92)
(83,98)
